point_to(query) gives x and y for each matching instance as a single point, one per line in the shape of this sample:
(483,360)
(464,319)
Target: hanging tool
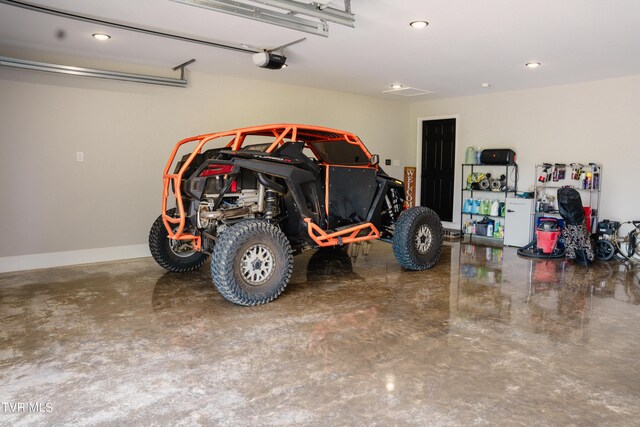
(545,176)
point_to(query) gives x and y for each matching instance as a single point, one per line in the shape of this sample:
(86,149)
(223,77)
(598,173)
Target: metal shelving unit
(511,174)
(589,192)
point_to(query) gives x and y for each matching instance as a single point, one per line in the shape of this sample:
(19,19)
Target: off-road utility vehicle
(275,190)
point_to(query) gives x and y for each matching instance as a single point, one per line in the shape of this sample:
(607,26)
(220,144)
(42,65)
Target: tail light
(216,169)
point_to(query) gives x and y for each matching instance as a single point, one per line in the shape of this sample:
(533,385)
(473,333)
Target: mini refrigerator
(518,221)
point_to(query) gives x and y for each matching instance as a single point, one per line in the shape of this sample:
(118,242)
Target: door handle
(510,210)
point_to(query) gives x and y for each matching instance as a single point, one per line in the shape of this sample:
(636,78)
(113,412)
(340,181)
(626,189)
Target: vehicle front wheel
(251,263)
(173,255)
(417,238)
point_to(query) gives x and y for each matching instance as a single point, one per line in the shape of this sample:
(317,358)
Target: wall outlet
(395,162)
(79,156)
(387,162)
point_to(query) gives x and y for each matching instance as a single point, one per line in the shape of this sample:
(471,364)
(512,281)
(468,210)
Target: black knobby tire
(251,263)
(417,238)
(162,250)
(604,250)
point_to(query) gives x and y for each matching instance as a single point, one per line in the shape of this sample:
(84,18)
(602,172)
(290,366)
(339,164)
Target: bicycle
(627,240)
(618,239)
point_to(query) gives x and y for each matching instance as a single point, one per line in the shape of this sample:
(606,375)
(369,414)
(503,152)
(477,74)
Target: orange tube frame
(280,131)
(342,237)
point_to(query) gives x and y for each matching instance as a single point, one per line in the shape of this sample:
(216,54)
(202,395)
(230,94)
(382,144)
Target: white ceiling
(467,43)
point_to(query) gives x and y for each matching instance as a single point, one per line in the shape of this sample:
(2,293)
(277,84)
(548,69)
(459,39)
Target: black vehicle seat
(293,150)
(256,147)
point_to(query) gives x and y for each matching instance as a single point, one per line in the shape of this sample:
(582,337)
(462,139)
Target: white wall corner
(60,259)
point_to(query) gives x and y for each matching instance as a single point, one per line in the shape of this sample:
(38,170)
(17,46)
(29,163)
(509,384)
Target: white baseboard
(451,225)
(84,256)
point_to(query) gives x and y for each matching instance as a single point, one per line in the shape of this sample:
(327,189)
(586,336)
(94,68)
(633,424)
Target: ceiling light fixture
(396,86)
(532,64)
(486,85)
(418,24)
(101,36)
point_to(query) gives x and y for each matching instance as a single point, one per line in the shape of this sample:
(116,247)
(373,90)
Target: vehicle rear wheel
(417,238)
(252,263)
(173,255)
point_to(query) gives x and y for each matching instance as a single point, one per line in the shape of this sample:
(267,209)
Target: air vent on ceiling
(407,91)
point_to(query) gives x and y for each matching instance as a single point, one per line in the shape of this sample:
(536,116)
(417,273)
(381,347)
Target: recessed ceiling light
(101,36)
(418,24)
(532,64)
(396,86)
(486,85)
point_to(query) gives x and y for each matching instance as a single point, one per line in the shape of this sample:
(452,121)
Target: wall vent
(407,91)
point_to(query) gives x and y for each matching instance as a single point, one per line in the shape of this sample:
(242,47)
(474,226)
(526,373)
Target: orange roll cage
(295,132)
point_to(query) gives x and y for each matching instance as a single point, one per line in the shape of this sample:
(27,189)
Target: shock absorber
(270,205)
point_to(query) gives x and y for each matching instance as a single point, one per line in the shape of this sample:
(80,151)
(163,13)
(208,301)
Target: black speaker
(498,156)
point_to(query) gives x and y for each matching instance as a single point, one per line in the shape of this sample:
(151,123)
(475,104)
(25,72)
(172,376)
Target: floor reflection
(480,293)
(560,306)
(485,337)
(620,281)
(331,264)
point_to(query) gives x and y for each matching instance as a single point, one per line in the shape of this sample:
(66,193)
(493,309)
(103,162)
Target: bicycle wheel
(625,240)
(635,238)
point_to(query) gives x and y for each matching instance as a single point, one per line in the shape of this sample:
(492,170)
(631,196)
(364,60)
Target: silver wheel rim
(257,264)
(181,248)
(423,240)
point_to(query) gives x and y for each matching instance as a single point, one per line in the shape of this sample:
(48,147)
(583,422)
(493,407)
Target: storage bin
(481,226)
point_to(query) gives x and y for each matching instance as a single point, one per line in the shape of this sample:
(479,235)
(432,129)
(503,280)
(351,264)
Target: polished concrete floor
(484,338)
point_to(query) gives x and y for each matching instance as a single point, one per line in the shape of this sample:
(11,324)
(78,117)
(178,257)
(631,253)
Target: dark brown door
(438,157)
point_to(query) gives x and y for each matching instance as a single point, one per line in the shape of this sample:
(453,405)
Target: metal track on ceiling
(123,26)
(284,13)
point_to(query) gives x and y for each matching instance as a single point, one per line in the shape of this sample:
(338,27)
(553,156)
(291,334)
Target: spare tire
(417,238)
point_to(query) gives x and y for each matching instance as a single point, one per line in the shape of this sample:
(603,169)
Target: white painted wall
(52,204)
(57,211)
(591,122)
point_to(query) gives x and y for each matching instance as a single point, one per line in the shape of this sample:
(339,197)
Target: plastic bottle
(478,155)
(470,156)
(490,230)
(475,208)
(495,208)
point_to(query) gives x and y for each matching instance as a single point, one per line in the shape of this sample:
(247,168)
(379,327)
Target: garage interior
(96,333)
